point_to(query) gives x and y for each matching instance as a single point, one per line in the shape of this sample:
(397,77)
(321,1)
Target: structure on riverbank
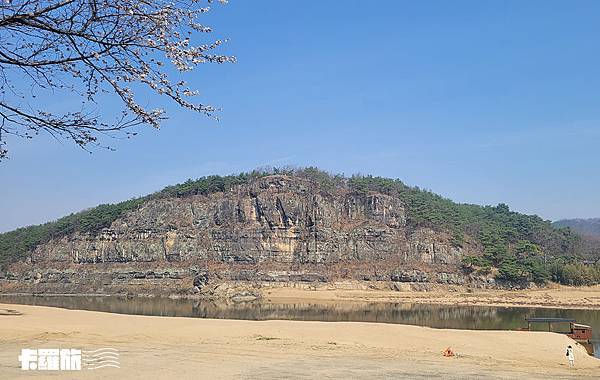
(580,333)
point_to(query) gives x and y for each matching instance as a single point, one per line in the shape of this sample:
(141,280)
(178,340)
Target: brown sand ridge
(553,296)
(182,348)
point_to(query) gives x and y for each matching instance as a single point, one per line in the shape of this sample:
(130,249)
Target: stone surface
(275,229)
(200,280)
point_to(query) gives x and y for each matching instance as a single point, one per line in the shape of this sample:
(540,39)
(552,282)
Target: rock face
(276,228)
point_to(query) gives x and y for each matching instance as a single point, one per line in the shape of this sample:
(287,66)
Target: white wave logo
(101,358)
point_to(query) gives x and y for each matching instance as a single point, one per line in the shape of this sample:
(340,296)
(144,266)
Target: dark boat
(580,333)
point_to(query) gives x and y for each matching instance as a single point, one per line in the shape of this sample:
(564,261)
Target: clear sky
(480,101)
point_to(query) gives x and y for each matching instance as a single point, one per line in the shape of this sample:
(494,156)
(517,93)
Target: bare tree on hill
(83,48)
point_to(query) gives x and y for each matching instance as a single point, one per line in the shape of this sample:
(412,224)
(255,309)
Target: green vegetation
(519,246)
(575,273)
(587,227)
(516,247)
(208,185)
(15,244)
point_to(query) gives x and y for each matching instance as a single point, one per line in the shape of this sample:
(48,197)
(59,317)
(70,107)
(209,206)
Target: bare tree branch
(87,47)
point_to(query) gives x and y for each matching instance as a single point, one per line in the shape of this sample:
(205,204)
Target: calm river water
(456,317)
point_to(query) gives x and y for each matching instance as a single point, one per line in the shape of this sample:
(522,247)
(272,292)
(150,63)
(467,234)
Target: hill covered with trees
(589,227)
(514,247)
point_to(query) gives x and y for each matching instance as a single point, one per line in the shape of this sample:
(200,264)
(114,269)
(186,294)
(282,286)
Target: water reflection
(440,316)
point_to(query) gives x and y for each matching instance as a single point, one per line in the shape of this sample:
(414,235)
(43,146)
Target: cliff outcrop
(274,229)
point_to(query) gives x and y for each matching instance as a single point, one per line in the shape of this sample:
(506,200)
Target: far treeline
(517,248)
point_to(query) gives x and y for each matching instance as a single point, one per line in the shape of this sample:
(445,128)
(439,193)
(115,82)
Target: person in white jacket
(571,356)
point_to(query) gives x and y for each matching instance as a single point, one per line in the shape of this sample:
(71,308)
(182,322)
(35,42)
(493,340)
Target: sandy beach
(162,347)
(552,296)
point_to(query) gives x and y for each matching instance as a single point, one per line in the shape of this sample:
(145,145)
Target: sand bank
(161,347)
(554,296)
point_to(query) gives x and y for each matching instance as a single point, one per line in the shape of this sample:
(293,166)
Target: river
(438,316)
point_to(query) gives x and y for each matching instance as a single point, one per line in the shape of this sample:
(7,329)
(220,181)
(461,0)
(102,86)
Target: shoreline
(570,298)
(184,347)
(555,296)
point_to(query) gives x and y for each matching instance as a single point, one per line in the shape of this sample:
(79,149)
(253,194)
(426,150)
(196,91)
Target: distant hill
(589,230)
(587,227)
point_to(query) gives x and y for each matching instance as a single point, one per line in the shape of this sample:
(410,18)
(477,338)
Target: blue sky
(480,101)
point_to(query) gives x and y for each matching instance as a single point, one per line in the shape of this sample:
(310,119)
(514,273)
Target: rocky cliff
(276,228)
(276,219)
(265,229)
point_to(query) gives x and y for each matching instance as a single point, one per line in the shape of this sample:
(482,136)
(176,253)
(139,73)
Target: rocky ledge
(275,229)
